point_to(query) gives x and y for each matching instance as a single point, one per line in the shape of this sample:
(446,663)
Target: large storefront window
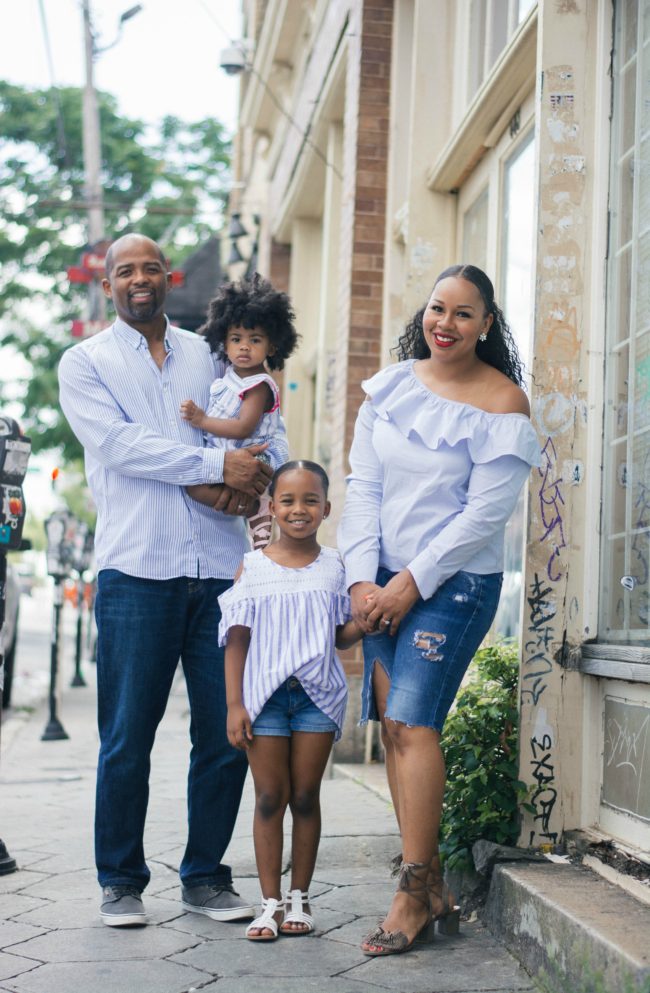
(625,585)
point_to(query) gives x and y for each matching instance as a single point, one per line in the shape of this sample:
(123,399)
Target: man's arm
(132,449)
(127,447)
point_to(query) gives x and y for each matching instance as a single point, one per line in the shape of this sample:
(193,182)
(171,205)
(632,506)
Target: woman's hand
(359,593)
(238,727)
(388,605)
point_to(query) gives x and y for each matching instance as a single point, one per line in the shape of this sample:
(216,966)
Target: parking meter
(15,450)
(61,532)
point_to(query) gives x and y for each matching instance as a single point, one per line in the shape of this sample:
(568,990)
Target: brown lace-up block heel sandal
(413,880)
(448,919)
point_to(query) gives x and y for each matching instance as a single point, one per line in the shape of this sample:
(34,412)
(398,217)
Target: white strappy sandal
(266,920)
(295,900)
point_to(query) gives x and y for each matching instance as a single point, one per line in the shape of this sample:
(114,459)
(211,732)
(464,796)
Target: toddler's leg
(261,524)
(309,754)
(268,757)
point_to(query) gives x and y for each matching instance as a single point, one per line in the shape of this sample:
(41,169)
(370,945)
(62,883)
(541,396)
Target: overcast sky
(165,62)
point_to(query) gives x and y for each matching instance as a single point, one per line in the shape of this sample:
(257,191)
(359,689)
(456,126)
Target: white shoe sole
(124,920)
(234,914)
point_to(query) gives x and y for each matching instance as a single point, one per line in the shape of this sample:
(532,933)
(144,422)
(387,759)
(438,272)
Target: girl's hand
(387,606)
(190,412)
(238,727)
(359,594)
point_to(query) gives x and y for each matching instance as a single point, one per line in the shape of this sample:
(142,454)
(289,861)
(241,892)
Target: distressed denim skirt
(428,657)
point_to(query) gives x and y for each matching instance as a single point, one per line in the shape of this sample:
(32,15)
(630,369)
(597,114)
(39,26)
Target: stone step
(571,927)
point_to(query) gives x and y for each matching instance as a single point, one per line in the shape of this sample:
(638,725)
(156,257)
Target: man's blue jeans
(144,627)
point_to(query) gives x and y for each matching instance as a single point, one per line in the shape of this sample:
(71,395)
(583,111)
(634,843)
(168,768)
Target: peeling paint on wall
(559,411)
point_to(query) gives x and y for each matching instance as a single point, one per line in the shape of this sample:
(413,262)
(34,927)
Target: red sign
(77,274)
(86,329)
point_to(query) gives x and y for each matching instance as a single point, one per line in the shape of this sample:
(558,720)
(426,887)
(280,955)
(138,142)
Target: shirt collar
(137,340)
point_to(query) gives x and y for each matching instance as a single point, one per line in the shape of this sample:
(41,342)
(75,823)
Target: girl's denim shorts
(428,657)
(290,709)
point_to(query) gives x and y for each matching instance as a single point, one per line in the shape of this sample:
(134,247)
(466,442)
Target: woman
(442,446)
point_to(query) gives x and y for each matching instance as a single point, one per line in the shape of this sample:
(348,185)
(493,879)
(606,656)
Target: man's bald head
(130,241)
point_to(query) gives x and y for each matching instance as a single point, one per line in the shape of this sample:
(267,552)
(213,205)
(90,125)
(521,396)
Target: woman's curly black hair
(252,303)
(498,350)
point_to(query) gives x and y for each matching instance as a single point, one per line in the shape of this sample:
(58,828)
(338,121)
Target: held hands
(190,412)
(238,727)
(242,471)
(384,608)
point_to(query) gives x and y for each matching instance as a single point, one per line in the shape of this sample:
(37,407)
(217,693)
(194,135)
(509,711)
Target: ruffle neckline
(397,395)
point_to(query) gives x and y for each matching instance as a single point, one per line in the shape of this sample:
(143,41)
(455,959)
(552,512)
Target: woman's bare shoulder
(507,397)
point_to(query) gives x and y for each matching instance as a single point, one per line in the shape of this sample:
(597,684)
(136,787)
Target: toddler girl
(250,324)
(285,686)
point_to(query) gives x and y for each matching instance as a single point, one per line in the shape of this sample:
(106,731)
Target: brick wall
(364,222)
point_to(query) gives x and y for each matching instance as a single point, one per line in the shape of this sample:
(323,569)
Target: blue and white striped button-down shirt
(140,454)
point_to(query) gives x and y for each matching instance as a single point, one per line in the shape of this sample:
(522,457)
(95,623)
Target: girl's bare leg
(269,758)
(309,754)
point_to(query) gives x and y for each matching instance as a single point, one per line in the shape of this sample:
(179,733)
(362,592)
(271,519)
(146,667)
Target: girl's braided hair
(498,350)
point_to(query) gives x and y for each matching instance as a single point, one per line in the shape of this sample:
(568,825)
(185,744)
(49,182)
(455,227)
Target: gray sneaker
(122,907)
(221,903)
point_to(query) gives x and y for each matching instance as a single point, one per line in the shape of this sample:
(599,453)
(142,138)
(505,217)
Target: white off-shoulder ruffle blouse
(432,482)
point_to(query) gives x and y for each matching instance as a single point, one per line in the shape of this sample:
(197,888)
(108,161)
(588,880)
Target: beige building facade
(380,141)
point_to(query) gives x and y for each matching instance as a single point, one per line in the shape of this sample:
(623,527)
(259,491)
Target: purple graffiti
(551,502)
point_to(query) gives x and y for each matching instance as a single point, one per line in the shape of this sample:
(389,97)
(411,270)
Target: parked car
(10,631)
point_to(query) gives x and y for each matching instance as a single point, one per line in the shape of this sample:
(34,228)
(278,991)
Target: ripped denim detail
(429,643)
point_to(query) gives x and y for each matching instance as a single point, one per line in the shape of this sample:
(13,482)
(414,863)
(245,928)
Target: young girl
(250,324)
(285,687)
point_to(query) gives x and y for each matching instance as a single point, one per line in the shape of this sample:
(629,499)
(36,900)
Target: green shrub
(483,790)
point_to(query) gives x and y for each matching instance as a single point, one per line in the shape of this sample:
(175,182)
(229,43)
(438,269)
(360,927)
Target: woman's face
(454,318)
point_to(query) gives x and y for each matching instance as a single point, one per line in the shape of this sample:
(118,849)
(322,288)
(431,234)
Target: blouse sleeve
(491,497)
(359,531)
(236,610)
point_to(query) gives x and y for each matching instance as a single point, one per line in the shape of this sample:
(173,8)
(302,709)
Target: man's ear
(106,286)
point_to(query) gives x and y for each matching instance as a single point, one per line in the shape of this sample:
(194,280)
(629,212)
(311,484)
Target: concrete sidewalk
(51,937)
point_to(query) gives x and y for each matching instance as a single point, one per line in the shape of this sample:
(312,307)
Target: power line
(60,129)
(304,134)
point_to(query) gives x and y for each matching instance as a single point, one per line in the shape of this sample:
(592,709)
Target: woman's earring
(483,336)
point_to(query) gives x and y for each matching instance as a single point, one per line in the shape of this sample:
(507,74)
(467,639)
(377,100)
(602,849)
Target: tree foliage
(167,183)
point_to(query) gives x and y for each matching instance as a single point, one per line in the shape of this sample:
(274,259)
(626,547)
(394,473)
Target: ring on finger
(385,621)
(240,506)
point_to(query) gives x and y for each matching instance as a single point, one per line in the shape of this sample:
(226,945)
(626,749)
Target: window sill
(502,92)
(625,662)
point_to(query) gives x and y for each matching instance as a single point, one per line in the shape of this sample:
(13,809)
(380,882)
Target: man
(162,559)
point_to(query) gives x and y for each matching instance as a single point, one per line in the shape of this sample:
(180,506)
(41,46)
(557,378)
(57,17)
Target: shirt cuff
(426,575)
(362,569)
(213,465)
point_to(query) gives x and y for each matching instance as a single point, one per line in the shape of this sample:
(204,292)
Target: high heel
(448,919)
(413,880)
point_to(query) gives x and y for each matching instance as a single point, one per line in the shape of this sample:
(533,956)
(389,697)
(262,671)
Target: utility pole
(92,164)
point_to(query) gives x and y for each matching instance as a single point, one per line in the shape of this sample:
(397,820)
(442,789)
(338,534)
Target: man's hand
(222,498)
(190,412)
(242,471)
